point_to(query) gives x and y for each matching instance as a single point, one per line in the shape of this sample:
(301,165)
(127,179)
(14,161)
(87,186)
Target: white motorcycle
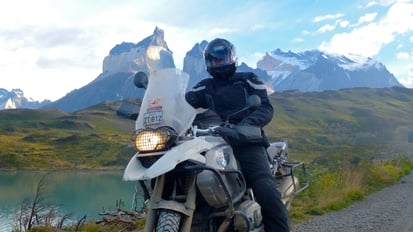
(189,173)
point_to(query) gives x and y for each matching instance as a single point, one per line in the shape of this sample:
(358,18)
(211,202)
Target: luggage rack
(285,169)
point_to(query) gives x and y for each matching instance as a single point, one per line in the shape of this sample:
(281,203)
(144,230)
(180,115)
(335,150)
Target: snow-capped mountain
(306,71)
(16,99)
(317,71)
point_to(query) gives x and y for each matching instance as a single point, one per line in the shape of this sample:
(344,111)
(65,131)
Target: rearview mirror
(253,101)
(141,80)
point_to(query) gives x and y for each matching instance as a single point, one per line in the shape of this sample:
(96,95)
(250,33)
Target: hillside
(320,126)
(344,124)
(51,139)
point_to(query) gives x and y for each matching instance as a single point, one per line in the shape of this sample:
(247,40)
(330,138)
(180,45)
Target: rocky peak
(194,63)
(131,57)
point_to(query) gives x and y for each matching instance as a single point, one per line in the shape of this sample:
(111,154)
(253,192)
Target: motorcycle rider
(226,93)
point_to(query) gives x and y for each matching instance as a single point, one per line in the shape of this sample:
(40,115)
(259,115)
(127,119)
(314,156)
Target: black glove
(227,132)
(240,134)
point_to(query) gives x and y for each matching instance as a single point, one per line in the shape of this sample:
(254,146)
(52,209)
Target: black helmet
(220,58)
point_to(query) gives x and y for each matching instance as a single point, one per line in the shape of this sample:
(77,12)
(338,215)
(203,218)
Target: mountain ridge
(306,71)
(16,99)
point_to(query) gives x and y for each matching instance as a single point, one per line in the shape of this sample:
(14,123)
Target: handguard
(240,134)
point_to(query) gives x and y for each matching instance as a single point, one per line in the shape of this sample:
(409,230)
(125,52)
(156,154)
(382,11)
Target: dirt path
(390,209)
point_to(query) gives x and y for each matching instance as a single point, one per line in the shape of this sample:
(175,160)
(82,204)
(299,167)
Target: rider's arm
(263,114)
(196,96)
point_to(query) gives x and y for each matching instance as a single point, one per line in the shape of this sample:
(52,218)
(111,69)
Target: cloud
(220,31)
(367,18)
(327,17)
(251,59)
(408,81)
(369,39)
(344,23)
(403,56)
(382,3)
(325,28)
(298,40)
(370,4)
(329,27)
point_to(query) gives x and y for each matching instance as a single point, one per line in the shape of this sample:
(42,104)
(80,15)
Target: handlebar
(208,131)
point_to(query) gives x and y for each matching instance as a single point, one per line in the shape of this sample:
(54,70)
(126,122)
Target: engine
(213,185)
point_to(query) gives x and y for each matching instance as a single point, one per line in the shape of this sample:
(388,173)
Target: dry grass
(335,190)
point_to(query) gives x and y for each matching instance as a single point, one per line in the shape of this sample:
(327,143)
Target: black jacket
(226,97)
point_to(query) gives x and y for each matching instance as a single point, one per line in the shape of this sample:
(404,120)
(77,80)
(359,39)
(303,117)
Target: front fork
(186,208)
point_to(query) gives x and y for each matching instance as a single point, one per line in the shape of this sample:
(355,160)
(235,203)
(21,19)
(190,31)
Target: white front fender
(188,151)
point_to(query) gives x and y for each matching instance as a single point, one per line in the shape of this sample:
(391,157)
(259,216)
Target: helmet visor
(219,56)
(218,62)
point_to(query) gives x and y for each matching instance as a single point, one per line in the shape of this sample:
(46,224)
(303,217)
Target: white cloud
(403,56)
(390,2)
(325,28)
(369,39)
(367,18)
(407,82)
(344,23)
(220,31)
(298,40)
(382,3)
(251,59)
(327,17)
(358,41)
(370,4)
(329,27)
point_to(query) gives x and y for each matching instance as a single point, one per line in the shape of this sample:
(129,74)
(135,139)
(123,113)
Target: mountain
(194,63)
(116,81)
(16,99)
(305,71)
(318,71)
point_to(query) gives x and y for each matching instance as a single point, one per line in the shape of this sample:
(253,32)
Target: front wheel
(168,221)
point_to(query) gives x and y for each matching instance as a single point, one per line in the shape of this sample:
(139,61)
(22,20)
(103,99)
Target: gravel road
(388,210)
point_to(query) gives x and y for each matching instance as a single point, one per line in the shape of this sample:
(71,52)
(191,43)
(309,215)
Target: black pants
(255,167)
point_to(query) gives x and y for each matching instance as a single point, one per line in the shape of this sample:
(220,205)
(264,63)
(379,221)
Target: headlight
(221,161)
(154,140)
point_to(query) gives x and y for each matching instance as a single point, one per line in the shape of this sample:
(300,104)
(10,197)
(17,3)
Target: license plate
(152,118)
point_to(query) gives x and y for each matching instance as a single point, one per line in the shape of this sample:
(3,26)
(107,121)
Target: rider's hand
(227,132)
(240,134)
(247,122)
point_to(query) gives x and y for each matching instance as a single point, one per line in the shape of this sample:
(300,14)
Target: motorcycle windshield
(164,102)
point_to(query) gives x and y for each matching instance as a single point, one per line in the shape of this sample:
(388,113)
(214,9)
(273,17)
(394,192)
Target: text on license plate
(151,118)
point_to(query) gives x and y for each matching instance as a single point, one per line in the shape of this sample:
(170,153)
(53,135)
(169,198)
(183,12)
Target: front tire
(168,221)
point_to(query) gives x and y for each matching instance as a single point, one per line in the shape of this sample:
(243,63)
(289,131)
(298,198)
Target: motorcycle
(188,171)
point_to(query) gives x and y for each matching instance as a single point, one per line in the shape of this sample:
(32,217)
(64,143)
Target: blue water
(83,193)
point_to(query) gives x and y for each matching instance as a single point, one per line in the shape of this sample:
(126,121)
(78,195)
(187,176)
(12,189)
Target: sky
(50,47)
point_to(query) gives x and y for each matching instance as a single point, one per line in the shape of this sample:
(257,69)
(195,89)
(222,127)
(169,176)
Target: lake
(83,193)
